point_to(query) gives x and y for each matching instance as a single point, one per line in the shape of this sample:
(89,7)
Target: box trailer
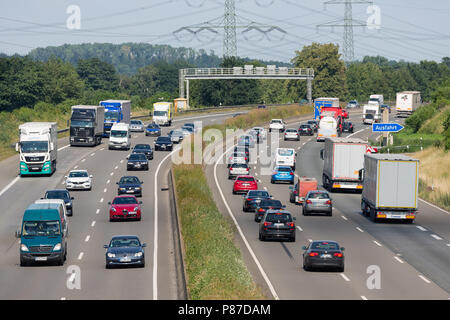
(301,189)
(86,125)
(116,111)
(407,102)
(390,186)
(343,158)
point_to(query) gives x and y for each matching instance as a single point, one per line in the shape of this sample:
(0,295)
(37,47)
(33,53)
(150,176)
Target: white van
(62,210)
(285,157)
(120,136)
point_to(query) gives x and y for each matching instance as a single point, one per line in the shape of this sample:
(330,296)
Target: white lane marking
(310,240)
(256,174)
(436,207)
(448,244)
(265,188)
(98,211)
(87,238)
(364,298)
(80,256)
(83,160)
(421,228)
(255,259)
(63,298)
(424,279)
(102,149)
(111,174)
(64,182)
(377,243)
(398,259)
(116,167)
(9,185)
(436,237)
(357,132)
(93,223)
(359,229)
(76,167)
(92,154)
(62,148)
(104,190)
(101,200)
(121,161)
(299,228)
(345,277)
(344,217)
(155,238)
(107,182)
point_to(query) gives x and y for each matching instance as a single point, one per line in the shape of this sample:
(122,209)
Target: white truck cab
(120,136)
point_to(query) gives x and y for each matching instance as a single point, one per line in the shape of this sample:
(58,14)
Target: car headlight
(138,254)
(122,189)
(111,255)
(57,247)
(136,209)
(113,209)
(23,247)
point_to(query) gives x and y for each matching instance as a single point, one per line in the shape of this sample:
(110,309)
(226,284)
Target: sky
(409,30)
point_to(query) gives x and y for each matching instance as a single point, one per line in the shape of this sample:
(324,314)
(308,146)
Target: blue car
(153,129)
(282,174)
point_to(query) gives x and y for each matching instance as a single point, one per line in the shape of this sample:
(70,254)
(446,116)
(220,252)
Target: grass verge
(214,265)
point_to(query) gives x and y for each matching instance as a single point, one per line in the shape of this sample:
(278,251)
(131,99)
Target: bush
(421,115)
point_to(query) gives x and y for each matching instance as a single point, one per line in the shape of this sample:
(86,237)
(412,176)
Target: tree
(98,75)
(329,71)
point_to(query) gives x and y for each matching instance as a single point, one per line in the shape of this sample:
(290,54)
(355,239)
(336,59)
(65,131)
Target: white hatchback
(277,124)
(79,180)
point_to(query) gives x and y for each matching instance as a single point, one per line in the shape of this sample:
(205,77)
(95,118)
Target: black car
(261,106)
(253,198)
(347,127)
(145,149)
(384,106)
(314,124)
(325,254)
(63,195)
(163,143)
(125,251)
(305,129)
(130,185)
(137,161)
(265,205)
(277,224)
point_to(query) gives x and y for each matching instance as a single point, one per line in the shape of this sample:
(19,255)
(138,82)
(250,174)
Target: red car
(125,207)
(242,184)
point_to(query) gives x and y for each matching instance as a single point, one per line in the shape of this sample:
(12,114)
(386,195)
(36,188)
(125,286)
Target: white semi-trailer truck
(343,159)
(38,148)
(407,102)
(390,186)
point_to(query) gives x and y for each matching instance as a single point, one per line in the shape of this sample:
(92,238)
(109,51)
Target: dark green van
(42,236)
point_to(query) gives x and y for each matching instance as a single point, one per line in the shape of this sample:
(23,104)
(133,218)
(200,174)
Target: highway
(90,229)
(413,259)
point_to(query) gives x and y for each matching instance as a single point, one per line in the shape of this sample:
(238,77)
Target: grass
(434,175)
(214,265)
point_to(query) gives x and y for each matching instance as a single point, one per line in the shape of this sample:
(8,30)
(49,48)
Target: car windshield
(142,147)
(177,133)
(312,122)
(291,130)
(34,146)
(41,228)
(57,195)
(124,180)
(275,121)
(136,122)
(278,217)
(304,126)
(163,139)
(190,129)
(160,113)
(318,195)
(264,194)
(125,200)
(119,133)
(153,126)
(283,169)
(245,179)
(285,152)
(239,165)
(270,203)
(189,125)
(78,174)
(238,155)
(137,156)
(323,245)
(125,242)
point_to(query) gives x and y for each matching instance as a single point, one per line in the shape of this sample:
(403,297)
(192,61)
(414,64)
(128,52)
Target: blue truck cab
(42,236)
(116,111)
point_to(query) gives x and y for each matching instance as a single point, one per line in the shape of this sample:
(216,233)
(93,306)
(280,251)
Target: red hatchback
(242,184)
(125,208)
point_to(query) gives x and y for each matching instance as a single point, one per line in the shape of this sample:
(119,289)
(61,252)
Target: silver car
(291,134)
(137,126)
(237,157)
(176,136)
(317,201)
(238,169)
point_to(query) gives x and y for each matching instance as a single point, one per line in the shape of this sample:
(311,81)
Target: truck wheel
(373,215)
